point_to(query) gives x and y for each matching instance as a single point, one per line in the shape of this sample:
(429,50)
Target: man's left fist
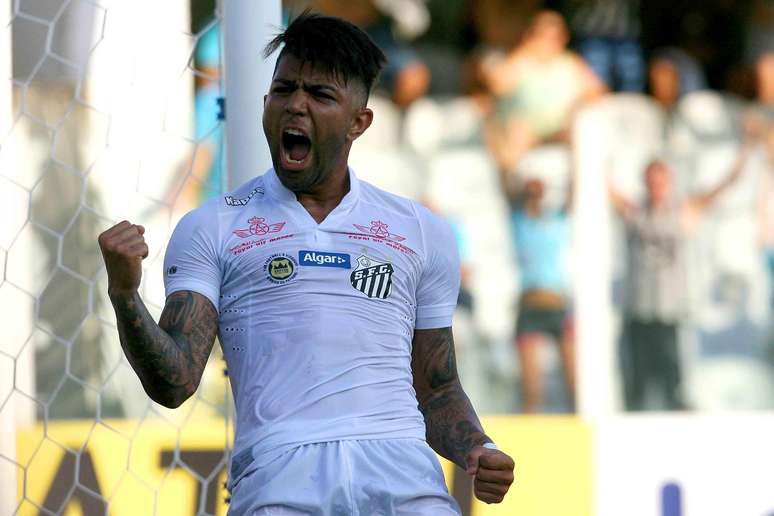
(492,472)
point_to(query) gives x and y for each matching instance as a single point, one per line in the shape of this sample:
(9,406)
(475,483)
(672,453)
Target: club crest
(373,278)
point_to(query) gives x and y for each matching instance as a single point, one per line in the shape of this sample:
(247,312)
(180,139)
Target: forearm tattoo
(452,425)
(168,357)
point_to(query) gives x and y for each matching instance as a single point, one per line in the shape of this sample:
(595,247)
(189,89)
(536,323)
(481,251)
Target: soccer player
(333,303)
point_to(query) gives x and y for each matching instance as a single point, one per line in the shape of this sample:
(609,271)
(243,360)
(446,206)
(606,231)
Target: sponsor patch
(379,229)
(373,278)
(259,227)
(324,259)
(172,270)
(280,268)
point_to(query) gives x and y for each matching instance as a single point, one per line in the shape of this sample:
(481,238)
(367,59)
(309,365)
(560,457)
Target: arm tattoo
(452,425)
(169,357)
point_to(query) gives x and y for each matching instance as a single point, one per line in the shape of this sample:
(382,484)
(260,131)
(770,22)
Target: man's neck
(323,200)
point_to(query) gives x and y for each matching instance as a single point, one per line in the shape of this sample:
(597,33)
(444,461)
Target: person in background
(762,115)
(390,24)
(672,73)
(657,233)
(760,29)
(542,238)
(764,84)
(536,89)
(608,38)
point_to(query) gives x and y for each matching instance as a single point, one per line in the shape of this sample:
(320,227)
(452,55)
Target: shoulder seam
(422,232)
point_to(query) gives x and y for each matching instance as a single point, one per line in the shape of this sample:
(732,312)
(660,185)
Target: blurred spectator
(537,87)
(656,306)
(762,116)
(764,83)
(760,28)
(390,24)
(608,38)
(500,24)
(672,74)
(542,238)
(470,349)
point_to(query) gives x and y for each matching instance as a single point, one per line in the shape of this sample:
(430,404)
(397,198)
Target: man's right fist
(123,249)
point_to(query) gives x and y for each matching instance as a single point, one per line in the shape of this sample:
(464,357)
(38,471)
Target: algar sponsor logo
(324,259)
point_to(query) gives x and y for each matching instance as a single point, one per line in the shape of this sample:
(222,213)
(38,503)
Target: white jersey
(316,320)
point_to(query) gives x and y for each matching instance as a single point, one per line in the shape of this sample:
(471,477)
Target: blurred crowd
(481,107)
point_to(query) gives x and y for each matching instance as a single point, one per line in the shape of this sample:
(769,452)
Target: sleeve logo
(372,278)
(323,259)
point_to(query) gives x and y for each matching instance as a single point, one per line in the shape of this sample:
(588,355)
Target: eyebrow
(307,86)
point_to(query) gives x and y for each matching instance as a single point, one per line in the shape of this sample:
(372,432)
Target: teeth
(294,132)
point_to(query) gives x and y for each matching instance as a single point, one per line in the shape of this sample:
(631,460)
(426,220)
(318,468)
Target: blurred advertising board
(154,467)
(685,465)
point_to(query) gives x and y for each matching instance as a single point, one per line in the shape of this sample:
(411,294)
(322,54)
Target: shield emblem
(373,278)
(280,268)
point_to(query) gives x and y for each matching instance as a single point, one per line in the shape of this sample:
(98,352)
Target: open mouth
(296,146)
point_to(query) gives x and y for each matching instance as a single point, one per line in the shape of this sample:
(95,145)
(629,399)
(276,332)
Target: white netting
(98,124)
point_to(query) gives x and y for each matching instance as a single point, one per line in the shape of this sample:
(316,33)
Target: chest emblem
(280,268)
(372,278)
(259,227)
(380,230)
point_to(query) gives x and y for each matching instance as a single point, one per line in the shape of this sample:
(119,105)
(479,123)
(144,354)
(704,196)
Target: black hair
(332,44)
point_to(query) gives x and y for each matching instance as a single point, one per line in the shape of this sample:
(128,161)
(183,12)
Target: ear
(360,122)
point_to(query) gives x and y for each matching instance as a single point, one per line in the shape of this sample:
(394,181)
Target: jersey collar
(276,189)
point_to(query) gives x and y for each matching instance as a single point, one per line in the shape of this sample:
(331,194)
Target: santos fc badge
(372,278)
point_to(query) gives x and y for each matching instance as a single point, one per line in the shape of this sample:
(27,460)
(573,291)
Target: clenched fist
(492,472)
(123,249)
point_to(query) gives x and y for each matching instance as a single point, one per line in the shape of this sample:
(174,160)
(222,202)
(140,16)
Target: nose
(297,102)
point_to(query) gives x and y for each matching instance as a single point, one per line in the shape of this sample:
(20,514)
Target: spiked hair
(331,44)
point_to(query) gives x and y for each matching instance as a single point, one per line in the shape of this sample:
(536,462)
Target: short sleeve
(191,261)
(439,282)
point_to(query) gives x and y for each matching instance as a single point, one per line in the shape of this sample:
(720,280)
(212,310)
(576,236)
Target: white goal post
(248,26)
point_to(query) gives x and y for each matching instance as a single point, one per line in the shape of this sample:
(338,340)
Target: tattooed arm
(452,427)
(168,357)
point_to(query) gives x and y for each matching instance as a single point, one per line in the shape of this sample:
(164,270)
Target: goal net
(108,111)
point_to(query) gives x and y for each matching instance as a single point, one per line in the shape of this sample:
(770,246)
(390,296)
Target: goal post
(248,26)
(7,416)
